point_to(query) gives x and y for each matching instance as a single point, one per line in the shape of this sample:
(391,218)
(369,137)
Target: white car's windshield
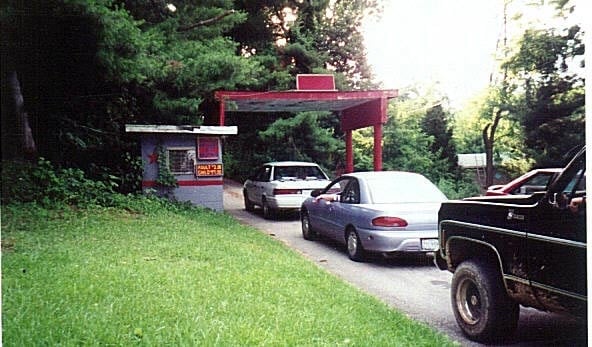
(405,188)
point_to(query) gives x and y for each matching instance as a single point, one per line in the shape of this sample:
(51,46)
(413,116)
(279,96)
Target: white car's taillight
(286,191)
(389,222)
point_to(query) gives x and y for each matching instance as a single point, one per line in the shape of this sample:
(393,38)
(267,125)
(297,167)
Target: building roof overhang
(182,129)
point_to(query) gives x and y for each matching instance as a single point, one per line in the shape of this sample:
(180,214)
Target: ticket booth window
(181,160)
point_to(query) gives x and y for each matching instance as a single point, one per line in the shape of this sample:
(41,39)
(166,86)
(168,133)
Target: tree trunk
(17,137)
(488,141)
(489,130)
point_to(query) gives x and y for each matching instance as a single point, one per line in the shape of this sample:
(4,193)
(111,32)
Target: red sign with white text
(208,170)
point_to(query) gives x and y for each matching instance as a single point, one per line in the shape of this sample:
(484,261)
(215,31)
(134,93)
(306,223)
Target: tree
(539,90)
(307,37)
(300,37)
(554,93)
(302,138)
(498,105)
(407,146)
(339,36)
(419,138)
(17,138)
(88,68)
(93,66)
(436,124)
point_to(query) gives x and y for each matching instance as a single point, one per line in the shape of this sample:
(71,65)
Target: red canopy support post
(378,147)
(222,111)
(349,152)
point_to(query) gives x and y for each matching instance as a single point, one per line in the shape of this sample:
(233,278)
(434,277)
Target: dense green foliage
(314,42)
(47,186)
(552,114)
(90,67)
(538,96)
(144,61)
(419,137)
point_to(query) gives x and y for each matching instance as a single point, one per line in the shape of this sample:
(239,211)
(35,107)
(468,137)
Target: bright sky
(449,42)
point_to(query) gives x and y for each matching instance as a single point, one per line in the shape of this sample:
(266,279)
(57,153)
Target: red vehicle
(532,181)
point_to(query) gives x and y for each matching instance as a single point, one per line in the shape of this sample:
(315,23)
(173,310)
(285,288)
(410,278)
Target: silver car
(385,212)
(282,185)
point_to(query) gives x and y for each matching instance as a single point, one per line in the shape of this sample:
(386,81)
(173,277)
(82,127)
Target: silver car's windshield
(406,188)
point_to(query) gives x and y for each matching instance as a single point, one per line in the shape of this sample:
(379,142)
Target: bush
(46,185)
(462,187)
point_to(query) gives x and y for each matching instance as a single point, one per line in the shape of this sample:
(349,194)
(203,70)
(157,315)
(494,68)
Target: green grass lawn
(178,277)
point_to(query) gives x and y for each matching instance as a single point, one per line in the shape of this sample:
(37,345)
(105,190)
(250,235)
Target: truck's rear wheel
(480,303)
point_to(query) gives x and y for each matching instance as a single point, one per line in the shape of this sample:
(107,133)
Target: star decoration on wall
(152,157)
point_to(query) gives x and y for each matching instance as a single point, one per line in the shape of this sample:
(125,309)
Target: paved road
(413,286)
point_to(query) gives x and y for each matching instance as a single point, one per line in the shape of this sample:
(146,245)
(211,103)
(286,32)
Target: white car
(282,186)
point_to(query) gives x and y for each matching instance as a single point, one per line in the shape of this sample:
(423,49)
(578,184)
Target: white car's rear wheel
(268,212)
(249,206)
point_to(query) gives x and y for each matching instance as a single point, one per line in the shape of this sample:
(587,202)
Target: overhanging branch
(205,22)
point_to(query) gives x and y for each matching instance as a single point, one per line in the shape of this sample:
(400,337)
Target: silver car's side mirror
(558,200)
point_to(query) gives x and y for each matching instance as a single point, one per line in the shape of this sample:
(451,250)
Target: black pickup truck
(507,251)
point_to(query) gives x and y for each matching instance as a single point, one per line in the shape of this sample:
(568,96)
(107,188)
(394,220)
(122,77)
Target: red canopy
(356,109)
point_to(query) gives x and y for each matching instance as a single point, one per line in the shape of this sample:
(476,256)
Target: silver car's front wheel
(354,246)
(307,231)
